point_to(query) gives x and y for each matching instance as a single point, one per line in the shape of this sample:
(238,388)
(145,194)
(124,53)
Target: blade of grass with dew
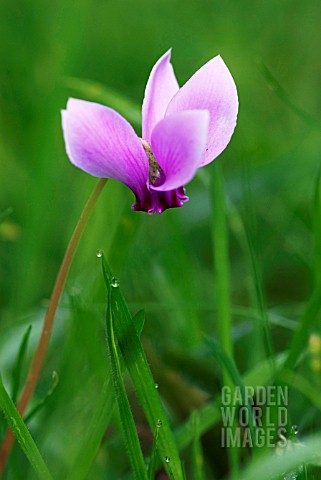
(100,421)
(23,435)
(43,402)
(273,465)
(142,379)
(101,93)
(197,453)
(220,246)
(154,454)
(129,431)
(16,374)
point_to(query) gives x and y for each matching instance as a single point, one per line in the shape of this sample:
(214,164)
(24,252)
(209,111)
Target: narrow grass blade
(100,421)
(154,455)
(285,97)
(221,261)
(126,418)
(302,385)
(101,93)
(273,465)
(142,379)
(139,321)
(210,414)
(234,374)
(22,434)
(220,248)
(262,340)
(197,453)
(16,374)
(306,322)
(43,402)
(317,230)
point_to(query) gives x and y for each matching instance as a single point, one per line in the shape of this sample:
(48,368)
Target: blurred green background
(164,262)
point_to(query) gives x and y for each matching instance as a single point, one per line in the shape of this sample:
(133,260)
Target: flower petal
(212,88)
(101,142)
(178,142)
(160,89)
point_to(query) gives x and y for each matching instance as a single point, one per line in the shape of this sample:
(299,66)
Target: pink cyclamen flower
(182,129)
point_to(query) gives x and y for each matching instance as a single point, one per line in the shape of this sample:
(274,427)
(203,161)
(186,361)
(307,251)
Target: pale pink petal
(101,142)
(160,89)
(212,88)
(178,142)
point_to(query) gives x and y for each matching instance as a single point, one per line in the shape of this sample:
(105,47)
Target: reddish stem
(41,350)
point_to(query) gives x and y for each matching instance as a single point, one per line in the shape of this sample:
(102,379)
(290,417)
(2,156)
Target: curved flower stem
(49,319)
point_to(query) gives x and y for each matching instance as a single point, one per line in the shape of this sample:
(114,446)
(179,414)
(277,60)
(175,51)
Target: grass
(240,262)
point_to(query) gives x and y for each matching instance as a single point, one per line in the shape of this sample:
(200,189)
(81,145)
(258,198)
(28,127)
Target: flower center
(156,173)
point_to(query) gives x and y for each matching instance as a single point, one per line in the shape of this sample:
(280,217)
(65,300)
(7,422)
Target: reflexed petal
(212,88)
(160,89)
(101,142)
(178,142)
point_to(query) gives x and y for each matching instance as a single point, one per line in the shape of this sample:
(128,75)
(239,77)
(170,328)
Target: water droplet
(167,459)
(156,386)
(114,282)
(295,429)
(99,253)
(159,423)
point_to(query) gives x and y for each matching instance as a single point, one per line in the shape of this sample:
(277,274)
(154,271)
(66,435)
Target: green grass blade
(142,379)
(317,230)
(22,434)
(262,340)
(210,414)
(197,453)
(234,374)
(273,465)
(306,322)
(154,455)
(220,248)
(94,435)
(139,321)
(221,261)
(101,93)
(285,97)
(43,402)
(302,385)
(16,374)
(100,421)
(126,418)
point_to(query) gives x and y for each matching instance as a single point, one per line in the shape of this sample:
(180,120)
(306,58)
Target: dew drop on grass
(156,386)
(167,459)
(99,253)
(114,282)
(295,429)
